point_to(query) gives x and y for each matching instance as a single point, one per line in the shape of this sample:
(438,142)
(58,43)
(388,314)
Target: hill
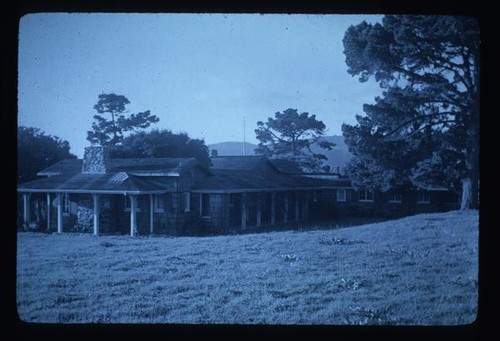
(233,148)
(419,270)
(337,157)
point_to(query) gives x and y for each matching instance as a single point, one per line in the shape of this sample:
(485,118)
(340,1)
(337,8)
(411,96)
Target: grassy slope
(417,270)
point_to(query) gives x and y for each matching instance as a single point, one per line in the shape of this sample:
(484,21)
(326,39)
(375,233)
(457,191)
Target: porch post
(285,214)
(59,213)
(151,213)
(97,211)
(49,206)
(273,208)
(133,215)
(297,197)
(243,211)
(305,206)
(26,208)
(258,218)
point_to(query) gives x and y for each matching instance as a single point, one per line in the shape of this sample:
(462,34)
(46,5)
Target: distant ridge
(337,157)
(233,148)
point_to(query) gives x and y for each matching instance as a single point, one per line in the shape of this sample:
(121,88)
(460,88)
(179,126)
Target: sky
(203,74)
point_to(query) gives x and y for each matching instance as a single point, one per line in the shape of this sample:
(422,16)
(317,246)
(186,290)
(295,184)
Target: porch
(111,212)
(241,211)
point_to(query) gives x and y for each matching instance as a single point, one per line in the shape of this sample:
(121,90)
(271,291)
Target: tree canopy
(290,135)
(424,129)
(110,132)
(36,151)
(161,143)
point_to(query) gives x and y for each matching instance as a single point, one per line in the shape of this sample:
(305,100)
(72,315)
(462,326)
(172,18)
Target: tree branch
(423,117)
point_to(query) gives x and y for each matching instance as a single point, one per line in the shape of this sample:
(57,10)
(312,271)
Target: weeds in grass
(349,284)
(286,257)
(365,316)
(340,241)
(107,244)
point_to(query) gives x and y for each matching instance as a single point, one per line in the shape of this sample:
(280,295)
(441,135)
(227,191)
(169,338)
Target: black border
(21,330)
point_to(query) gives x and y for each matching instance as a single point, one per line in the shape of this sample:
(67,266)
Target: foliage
(111,132)
(161,143)
(36,151)
(424,129)
(290,135)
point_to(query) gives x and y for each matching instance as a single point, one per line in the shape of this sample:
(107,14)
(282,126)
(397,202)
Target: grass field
(420,270)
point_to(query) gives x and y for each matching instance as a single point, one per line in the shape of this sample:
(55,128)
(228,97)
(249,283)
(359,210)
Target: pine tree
(424,129)
(110,132)
(290,135)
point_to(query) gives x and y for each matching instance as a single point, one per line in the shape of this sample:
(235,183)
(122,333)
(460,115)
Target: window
(67,203)
(159,203)
(395,198)
(423,197)
(186,201)
(341,194)
(205,204)
(365,195)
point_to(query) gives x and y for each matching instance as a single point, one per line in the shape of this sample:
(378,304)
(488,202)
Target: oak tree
(36,151)
(161,143)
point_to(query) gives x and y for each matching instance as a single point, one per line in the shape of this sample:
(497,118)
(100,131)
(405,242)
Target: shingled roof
(132,176)
(139,166)
(228,180)
(108,183)
(158,175)
(249,163)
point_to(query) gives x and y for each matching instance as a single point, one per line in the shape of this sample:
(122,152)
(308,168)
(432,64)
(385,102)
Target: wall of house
(302,197)
(327,207)
(219,210)
(167,218)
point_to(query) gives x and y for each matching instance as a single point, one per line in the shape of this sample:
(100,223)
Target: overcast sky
(199,73)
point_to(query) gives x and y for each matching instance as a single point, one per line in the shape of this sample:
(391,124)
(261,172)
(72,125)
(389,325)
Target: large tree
(161,143)
(424,129)
(290,135)
(36,151)
(110,131)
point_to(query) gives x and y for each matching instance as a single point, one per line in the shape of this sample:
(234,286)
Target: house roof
(132,176)
(159,175)
(286,166)
(137,166)
(228,180)
(241,163)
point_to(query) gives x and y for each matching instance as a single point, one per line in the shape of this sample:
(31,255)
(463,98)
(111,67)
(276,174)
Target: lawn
(419,270)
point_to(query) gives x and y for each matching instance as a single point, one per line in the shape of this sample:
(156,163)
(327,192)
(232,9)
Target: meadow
(418,270)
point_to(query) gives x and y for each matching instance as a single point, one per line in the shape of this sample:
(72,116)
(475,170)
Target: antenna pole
(244,139)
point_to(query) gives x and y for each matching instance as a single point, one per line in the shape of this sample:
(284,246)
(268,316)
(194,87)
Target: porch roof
(109,183)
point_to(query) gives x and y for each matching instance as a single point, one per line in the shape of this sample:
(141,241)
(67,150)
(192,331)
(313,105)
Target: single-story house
(164,195)
(173,195)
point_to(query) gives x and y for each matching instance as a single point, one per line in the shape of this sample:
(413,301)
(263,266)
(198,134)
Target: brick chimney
(95,160)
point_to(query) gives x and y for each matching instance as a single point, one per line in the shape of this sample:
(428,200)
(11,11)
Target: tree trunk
(470,193)
(470,184)
(113,141)
(466,201)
